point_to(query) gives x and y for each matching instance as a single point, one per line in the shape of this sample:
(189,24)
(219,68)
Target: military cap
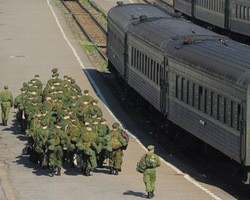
(23,89)
(95,101)
(6,87)
(150,147)
(37,75)
(115,125)
(44,122)
(62,123)
(25,84)
(65,76)
(54,70)
(86,91)
(73,81)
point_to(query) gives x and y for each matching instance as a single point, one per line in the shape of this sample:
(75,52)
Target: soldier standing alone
(6,100)
(148,164)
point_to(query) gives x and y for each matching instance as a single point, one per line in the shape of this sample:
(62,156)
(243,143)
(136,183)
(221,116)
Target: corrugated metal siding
(211,133)
(116,61)
(240,27)
(144,88)
(183,7)
(210,16)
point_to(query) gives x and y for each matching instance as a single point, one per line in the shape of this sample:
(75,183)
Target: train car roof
(125,14)
(197,47)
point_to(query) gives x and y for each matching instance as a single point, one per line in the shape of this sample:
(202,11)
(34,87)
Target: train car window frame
(187,88)
(132,56)
(176,86)
(143,63)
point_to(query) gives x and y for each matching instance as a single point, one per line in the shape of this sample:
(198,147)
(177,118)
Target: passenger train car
(233,15)
(198,79)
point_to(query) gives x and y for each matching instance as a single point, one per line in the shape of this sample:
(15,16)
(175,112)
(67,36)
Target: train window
(234,117)
(196,96)
(238,116)
(245,13)
(154,68)
(237,11)
(177,87)
(242,16)
(225,110)
(139,64)
(137,59)
(151,69)
(193,94)
(248,14)
(143,63)
(187,100)
(228,112)
(212,104)
(146,65)
(218,107)
(205,101)
(200,97)
(132,56)
(158,74)
(221,108)
(182,89)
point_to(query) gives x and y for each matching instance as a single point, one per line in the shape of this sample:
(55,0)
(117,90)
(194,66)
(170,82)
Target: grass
(87,46)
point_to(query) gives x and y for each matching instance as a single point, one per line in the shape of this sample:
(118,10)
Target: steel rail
(98,47)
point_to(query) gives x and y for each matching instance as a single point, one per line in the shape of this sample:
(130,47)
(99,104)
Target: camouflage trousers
(55,157)
(149,178)
(115,159)
(5,111)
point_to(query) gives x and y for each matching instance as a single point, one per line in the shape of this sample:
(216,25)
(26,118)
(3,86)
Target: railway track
(86,20)
(164,5)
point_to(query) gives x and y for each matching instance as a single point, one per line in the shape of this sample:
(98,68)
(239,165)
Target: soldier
(38,82)
(86,143)
(6,99)
(118,143)
(148,163)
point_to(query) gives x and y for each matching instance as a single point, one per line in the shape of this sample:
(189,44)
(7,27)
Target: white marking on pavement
(186,176)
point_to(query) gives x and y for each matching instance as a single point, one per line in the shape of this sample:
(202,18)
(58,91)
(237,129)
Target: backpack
(125,135)
(150,161)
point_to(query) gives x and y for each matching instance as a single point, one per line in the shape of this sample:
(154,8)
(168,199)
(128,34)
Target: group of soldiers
(63,123)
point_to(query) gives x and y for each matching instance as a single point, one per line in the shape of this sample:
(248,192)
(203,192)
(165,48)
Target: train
(195,78)
(229,15)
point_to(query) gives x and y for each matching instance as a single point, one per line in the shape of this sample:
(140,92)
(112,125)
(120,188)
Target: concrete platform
(34,39)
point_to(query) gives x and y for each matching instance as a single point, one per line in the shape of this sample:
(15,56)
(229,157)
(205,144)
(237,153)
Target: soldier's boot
(116,172)
(5,122)
(111,170)
(53,170)
(58,171)
(153,193)
(150,195)
(2,122)
(87,172)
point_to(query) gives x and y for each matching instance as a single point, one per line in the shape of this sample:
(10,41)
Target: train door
(164,87)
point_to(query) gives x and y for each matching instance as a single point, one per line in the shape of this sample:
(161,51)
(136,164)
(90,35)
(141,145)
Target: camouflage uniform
(151,161)
(6,100)
(117,142)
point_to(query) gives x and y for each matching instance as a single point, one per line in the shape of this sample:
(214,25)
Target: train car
(240,16)
(229,15)
(198,79)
